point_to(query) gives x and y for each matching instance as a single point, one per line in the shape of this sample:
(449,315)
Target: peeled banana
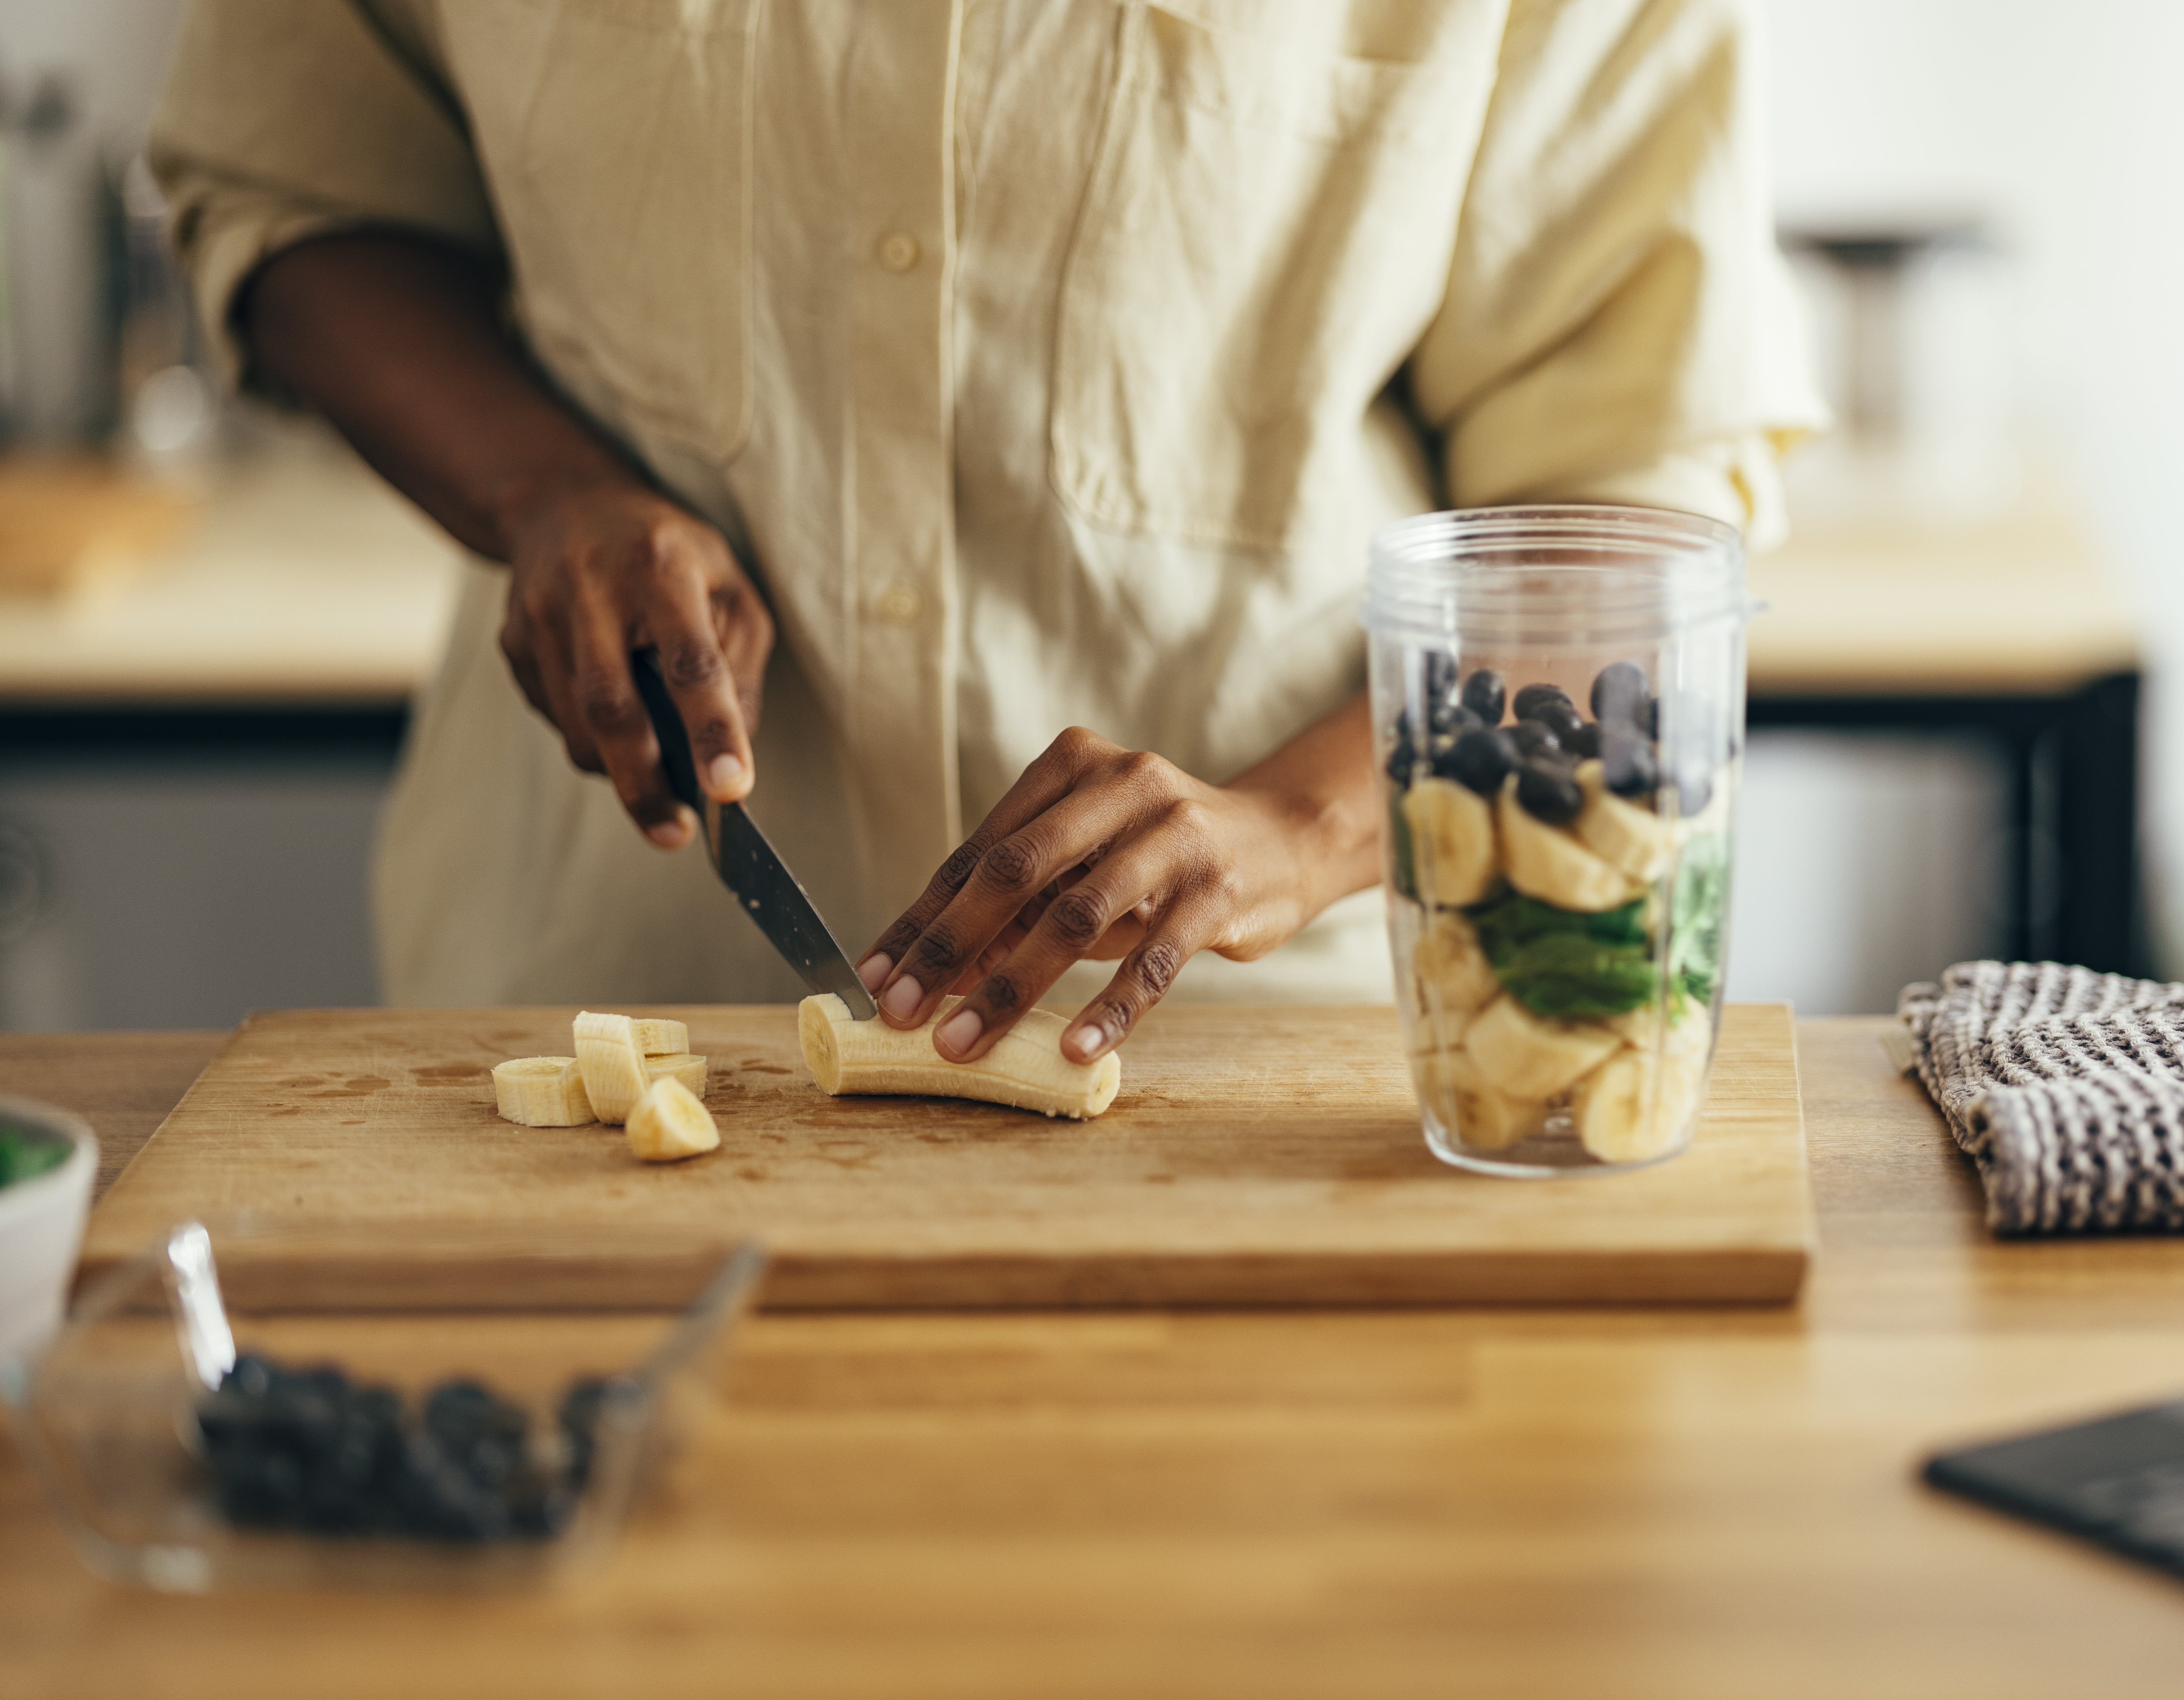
(613,1065)
(1519,1053)
(1635,1105)
(684,1067)
(1546,863)
(1025,1068)
(660,1038)
(668,1124)
(1635,840)
(1451,842)
(541,1091)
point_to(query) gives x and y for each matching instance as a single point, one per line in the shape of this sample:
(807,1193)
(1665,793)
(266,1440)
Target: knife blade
(747,864)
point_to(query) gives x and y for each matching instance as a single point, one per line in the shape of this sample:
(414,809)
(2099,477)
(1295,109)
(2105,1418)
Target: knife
(747,866)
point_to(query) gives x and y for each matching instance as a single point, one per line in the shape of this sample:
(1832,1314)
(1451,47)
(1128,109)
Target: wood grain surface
(1683,1503)
(1255,1156)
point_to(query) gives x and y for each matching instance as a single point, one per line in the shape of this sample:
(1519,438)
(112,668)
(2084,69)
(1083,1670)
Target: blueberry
(1530,699)
(1481,760)
(1530,738)
(1440,679)
(1627,765)
(1548,791)
(1584,743)
(1559,715)
(1620,692)
(252,1377)
(1404,757)
(1484,695)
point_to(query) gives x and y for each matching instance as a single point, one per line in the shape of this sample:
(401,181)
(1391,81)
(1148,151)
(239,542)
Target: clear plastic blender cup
(1558,711)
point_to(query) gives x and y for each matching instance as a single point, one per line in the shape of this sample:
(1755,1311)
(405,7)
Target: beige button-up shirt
(1054,360)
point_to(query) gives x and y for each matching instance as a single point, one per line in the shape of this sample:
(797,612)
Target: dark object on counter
(2118,1481)
(1547,791)
(1485,696)
(1533,697)
(2064,1086)
(1480,761)
(310,1449)
(1621,692)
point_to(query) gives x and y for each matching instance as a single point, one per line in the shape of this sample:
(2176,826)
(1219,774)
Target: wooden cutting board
(1255,1156)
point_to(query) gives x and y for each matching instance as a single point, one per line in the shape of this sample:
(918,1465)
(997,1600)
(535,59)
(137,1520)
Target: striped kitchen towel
(2065,1086)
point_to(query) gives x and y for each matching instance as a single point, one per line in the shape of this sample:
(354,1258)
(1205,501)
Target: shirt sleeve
(283,120)
(1619,324)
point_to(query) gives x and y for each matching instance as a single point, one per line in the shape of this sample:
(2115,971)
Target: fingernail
(874,969)
(959,1032)
(1085,1039)
(725,774)
(903,998)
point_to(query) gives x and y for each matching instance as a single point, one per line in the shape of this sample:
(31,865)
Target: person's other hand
(1102,851)
(599,570)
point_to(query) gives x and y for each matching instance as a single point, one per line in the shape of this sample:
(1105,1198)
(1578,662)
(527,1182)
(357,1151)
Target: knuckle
(1002,995)
(607,707)
(1157,965)
(937,951)
(1187,818)
(1011,868)
(693,662)
(1145,771)
(963,862)
(1078,745)
(1078,917)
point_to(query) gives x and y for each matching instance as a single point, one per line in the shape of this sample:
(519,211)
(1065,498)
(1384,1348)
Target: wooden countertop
(1673,1504)
(302,578)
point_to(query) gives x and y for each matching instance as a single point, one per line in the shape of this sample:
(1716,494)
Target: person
(983,406)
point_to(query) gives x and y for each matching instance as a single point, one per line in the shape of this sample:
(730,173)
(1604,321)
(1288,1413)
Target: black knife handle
(667,727)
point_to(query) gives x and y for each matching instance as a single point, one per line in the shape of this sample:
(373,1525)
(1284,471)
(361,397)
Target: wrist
(1332,839)
(546,493)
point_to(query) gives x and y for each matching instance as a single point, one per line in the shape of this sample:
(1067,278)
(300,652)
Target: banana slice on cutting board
(612,1064)
(667,1124)
(1025,1068)
(1526,1057)
(683,1067)
(1635,840)
(656,1037)
(1451,842)
(1546,863)
(541,1091)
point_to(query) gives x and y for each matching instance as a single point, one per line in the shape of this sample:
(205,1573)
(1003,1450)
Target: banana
(660,1038)
(1517,1053)
(612,1064)
(1635,840)
(1693,1035)
(1451,968)
(1487,1119)
(541,1091)
(1546,863)
(667,1124)
(1636,1106)
(685,1067)
(1026,1068)
(1451,842)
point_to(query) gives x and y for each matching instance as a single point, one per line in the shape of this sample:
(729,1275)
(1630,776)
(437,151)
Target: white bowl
(41,1229)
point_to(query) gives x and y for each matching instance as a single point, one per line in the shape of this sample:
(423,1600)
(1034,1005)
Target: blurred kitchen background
(1965,717)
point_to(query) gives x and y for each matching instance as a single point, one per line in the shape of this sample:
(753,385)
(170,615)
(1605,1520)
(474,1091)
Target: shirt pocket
(1265,236)
(616,139)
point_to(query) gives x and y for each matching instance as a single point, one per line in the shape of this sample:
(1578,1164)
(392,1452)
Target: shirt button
(899,251)
(898,604)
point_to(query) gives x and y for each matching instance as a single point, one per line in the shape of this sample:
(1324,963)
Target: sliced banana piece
(612,1064)
(667,1124)
(656,1037)
(541,1091)
(1546,863)
(684,1067)
(1451,842)
(1451,967)
(1635,840)
(1480,1115)
(1025,1068)
(1517,1053)
(1692,1036)
(1635,1105)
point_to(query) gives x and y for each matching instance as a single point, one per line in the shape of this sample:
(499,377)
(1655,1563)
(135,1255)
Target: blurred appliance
(56,375)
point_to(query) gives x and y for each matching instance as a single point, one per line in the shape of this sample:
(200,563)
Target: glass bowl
(253,1403)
